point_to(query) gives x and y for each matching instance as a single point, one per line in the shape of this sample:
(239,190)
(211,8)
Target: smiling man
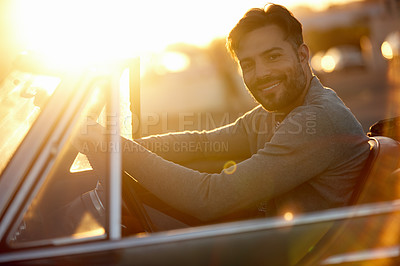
(275,71)
(300,150)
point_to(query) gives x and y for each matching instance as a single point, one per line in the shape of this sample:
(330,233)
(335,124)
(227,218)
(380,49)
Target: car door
(44,172)
(44,218)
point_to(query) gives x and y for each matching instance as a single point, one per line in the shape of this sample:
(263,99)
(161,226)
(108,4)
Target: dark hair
(258,17)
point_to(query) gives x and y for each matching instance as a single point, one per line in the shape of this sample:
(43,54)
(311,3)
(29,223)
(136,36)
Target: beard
(294,83)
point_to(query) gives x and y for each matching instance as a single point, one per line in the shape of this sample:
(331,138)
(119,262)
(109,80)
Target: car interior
(70,205)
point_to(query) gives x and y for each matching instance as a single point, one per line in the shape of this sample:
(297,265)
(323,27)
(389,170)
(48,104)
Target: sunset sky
(126,28)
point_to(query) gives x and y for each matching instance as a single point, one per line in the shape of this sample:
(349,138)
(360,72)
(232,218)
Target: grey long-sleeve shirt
(308,162)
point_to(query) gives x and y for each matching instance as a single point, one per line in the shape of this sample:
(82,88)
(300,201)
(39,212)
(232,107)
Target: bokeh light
(328,63)
(387,50)
(288,216)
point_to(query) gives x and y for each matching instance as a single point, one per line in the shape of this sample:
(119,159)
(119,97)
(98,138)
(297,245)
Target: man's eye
(246,66)
(273,57)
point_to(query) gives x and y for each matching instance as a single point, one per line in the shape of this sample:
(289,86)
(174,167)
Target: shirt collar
(315,89)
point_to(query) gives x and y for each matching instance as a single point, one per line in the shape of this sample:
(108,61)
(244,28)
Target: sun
(175,62)
(78,31)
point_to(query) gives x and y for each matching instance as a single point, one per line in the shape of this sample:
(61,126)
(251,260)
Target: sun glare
(175,62)
(46,83)
(76,32)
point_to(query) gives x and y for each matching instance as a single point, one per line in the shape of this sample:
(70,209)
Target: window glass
(69,205)
(81,162)
(22,95)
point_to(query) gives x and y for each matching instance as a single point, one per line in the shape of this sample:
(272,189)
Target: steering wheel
(134,216)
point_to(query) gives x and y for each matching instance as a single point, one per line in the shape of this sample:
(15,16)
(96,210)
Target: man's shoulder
(321,96)
(327,106)
(324,99)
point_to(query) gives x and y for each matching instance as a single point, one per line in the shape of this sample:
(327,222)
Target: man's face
(271,67)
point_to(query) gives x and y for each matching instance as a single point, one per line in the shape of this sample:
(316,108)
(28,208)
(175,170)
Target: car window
(22,96)
(69,204)
(98,111)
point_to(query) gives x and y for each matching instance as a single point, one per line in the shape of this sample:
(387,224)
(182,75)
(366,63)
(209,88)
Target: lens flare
(230,167)
(288,216)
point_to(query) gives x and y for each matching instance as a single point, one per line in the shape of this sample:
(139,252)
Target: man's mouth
(270,87)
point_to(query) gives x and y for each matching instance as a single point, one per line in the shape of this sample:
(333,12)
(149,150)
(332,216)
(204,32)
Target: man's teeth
(271,87)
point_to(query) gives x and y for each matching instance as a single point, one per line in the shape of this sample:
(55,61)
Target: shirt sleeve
(227,142)
(293,156)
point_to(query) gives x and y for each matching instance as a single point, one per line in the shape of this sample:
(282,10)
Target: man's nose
(262,70)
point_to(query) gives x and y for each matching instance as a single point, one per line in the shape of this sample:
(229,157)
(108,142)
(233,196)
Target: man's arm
(291,158)
(230,141)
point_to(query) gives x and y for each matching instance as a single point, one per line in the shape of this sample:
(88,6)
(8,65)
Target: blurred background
(188,80)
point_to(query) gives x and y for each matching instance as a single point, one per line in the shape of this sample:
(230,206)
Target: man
(301,150)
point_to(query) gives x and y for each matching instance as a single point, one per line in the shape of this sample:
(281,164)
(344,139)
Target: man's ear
(304,53)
